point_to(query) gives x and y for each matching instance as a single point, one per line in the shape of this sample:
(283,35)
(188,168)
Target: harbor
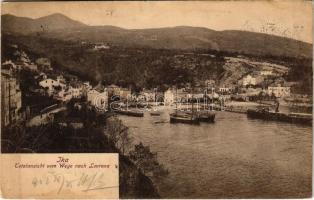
(242,160)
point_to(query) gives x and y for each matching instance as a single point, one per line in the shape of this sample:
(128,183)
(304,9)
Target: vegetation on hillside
(97,134)
(145,67)
(61,27)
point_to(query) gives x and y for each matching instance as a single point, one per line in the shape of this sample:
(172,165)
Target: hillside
(182,37)
(24,25)
(150,68)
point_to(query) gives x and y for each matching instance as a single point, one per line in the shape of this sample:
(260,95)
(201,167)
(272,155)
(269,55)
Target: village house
(210,83)
(41,76)
(133,97)
(91,95)
(98,97)
(279,90)
(51,84)
(150,95)
(118,92)
(173,95)
(76,89)
(24,62)
(101,46)
(198,96)
(8,64)
(11,97)
(113,90)
(24,58)
(85,88)
(225,89)
(248,80)
(21,65)
(124,93)
(266,72)
(31,66)
(212,95)
(64,95)
(76,92)
(61,79)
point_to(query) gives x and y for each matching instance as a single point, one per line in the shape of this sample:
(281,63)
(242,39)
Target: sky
(291,19)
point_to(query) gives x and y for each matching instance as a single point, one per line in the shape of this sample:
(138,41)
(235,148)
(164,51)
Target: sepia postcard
(156,99)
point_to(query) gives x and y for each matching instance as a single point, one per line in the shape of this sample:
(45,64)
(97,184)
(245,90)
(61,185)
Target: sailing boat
(202,115)
(155,112)
(183,117)
(206,115)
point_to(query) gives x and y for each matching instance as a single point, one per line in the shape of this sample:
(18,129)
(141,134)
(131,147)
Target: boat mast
(176,99)
(192,101)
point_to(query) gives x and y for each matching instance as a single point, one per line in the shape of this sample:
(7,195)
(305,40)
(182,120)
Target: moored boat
(202,116)
(176,118)
(130,113)
(206,117)
(300,118)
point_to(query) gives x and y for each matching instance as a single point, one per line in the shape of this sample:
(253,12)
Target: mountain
(182,37)
(24,25)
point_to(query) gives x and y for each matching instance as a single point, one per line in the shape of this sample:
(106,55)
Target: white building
(249,80)
(76,92)
(279,91)
(97,98)
(266,72)
(225,89)
(101,46)
(50,84)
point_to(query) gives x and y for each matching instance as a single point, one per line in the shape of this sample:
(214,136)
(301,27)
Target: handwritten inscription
(82,181)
